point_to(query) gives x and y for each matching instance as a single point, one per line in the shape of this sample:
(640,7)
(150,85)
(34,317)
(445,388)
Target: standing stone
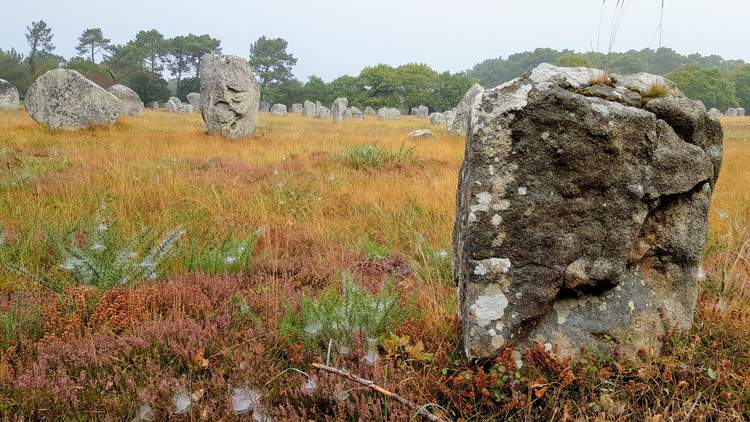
(195,100)
(356,113)
(437,119)
(348,115)
(581,220)
(279,110)
(322,112)
(131,104)
(740,111)
(153,105)
(229,96)
(309,108)
(338,109)
(714,112)
(450,116)
(318,104)
(731,112)
(369,111)
(64,99)
(9,100)
(460,122)
(297,108)
(388,113)
(421,112)
(264,107)
(185,109)
(173,105)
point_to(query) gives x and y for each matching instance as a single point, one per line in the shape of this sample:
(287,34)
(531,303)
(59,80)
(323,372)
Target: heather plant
(22,320)
(230,256)
(343,313)
(373,155)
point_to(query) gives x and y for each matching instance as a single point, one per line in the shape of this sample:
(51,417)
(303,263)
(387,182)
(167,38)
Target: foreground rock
(421,133)
(194,99)
(9,100)
(230,96)
(338,109)
(131,104)
(388,113)
(64,99)
(421,111)
(279,110)
(460,122)
(297,108)
(580,220)
(437,119)
(309,108)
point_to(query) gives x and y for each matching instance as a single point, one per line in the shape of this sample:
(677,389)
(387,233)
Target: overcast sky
(335,37)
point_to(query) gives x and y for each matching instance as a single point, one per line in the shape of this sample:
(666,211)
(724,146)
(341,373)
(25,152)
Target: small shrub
(24,319)
(600,78)
(655,90)
(373,155)
(342,314)
(231,256)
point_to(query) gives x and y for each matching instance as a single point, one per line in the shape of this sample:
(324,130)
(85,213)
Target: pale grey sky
(335,37)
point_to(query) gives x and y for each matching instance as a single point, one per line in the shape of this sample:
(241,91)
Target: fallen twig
(419,410)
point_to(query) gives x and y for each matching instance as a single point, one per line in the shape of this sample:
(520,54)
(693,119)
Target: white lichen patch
(631,306)
(496,220)
(489,306)
(546,75)
(523,190)
(500,265)
(480,270)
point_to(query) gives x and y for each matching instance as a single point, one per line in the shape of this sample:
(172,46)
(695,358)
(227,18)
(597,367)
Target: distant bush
(373,155)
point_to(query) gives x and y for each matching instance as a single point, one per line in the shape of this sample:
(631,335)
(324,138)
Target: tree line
(157,67)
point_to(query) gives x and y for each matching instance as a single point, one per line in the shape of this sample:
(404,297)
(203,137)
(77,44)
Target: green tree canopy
(709,85)
(740,76)
(92,42)
(39,36)
(271,62)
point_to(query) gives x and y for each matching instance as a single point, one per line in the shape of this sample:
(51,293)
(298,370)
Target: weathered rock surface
(338,109)
(173,105)
(309,108)
(65,99)
(297,108)
(185,109)
(230,96)
(460,123)
(369,111)
(740,111)
(348,115)
(153,105)
(421,111)
(194,99)
(279,110)
(9,100)
(581,219)
(714,112)
(388,113)
(356,113)
(131,104)
(264,107)
(437,119)
(450,115)
(421,133)
(323,112)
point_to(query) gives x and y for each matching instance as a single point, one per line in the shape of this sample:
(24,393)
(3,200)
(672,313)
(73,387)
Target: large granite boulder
(421,111)
(229,96)
(388,113)
(308,108)
(459,124)
(65,99)
(297,108)
(437,119)
(9,100)
(582,213)
(279,110)
(194,99)
(131,104)
(323,112)
(338,109)
(356,113)
(173,105)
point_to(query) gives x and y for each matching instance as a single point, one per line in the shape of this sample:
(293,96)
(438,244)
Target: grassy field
(248,245)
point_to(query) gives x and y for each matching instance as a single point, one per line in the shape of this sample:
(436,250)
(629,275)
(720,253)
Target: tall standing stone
(582,213)
(9,100)
(740,111)
(264,107)
(422,112)
(309,108)
(131,104)
(460,122)
(65,99)
(279,110)
(173,105)
(229,96)
(338,109)
(297,108)
(437,119)
(388,113)
(194,99)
